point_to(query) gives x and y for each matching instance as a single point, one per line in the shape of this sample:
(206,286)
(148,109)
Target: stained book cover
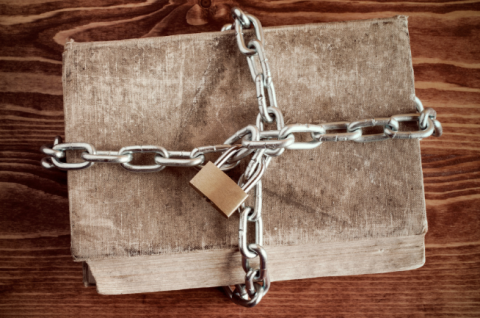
(342,199)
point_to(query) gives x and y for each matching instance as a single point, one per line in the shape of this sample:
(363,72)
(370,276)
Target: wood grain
(37,274)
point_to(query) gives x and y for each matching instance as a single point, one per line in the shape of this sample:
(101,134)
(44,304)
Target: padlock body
(221,191)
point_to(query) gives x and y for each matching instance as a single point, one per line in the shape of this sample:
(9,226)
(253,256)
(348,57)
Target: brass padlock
(219,190)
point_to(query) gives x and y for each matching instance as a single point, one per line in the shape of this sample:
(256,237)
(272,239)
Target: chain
(251,139)
(257,281)
(274,142)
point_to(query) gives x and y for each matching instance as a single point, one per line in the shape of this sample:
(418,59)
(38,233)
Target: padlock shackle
(227,155)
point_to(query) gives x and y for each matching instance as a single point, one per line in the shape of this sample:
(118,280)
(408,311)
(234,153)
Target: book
(344,208)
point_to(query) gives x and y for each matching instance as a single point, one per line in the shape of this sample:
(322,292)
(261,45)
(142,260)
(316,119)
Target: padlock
(222,192)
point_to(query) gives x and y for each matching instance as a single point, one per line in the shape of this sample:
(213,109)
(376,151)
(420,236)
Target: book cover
(343,208)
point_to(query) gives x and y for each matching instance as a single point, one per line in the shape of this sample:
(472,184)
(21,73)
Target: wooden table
(37,274)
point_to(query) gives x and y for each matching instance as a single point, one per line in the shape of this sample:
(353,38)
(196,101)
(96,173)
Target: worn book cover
(344,208)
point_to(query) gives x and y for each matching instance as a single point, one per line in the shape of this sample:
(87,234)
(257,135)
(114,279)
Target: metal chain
(257,281)
(251,139)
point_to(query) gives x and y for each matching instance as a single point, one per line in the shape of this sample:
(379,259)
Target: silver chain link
(251,139)
(272,141)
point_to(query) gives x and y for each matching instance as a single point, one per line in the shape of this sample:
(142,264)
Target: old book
(344,208)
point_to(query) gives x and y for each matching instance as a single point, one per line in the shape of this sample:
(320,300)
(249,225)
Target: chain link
(163,158)
(252,139)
